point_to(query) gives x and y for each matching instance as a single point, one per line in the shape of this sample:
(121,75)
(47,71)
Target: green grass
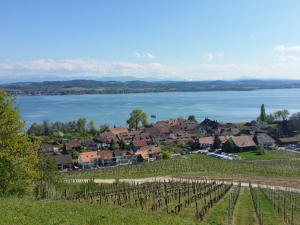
(29,212)
(253,156)
(218,214)
(244,212)
(270,215)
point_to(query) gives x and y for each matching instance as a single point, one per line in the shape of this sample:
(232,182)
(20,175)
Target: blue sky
(195,40)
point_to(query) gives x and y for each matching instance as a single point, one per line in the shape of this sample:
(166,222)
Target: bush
(260,150)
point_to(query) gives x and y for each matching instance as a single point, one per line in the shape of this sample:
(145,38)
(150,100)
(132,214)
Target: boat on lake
(153,116)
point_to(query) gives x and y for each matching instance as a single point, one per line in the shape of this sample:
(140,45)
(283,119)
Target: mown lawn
(253,156)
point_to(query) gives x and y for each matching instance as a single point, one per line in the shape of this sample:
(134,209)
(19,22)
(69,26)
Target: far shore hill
(71,87)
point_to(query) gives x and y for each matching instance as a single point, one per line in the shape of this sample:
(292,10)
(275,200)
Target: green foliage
(180,118)
(166,155)
(191,117)
(260,150)
(137,116)
(17,156)
(103,128)
(262,113)
(217,144)
(81,123)
(92,127)
(229,146)
(49,175)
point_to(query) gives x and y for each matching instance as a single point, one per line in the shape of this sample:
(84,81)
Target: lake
(114,109)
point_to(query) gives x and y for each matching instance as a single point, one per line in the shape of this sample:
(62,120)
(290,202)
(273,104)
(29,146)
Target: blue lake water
(114,109)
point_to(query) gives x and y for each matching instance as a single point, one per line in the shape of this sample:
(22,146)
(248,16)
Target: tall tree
(81,123)
(18,159)
(103,128)
(217,144)
(137,116)
(262,113)
(191,117)
(92,127)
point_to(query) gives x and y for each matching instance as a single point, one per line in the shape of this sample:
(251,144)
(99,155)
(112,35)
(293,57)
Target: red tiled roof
(139,143)
(87,156)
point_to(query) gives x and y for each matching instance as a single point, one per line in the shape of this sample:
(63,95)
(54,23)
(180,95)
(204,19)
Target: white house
(88,159)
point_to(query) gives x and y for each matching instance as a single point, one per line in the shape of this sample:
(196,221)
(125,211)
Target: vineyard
(200,190)
(208,202)
(202,167)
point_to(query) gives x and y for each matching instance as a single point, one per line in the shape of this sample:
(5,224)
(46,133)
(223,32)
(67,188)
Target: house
(201,131)
(136,145)
(156,135)
(106,157)
(140,156)
(243,143)
(47,148)
(205,142)
(154,151)
(63,161)
(265,140)
(288,141)
(89,144)
(118,155)
(104,139)
(72,145)
(88,159)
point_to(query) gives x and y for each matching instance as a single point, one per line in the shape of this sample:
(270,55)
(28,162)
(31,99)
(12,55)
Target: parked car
(113,164)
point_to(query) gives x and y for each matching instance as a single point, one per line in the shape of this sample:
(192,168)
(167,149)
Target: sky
(188,39)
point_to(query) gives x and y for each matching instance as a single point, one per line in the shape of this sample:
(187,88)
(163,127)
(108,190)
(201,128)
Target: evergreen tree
(262,113)
(217,143)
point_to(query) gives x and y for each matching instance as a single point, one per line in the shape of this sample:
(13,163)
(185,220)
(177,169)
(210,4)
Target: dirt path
(167,178)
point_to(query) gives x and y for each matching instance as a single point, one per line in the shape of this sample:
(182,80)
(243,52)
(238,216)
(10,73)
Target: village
(145,144)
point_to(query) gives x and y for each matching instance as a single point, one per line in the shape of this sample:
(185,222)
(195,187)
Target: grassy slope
(244,212)
(26,211)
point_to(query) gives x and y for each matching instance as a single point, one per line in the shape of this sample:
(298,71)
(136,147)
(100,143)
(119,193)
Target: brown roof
(72,144)
(224,138)
(288,139)
(119,130)
(152,149)
(87,156)
(47,147)
(139,143)
(144,154)
(107,155)
(62,159)
(243,141)
(206,140)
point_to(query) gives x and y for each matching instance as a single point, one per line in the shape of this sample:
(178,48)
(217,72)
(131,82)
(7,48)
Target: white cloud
(208,57)
(219,55)
(288,57)
(148,55)
(288,67)
(136,54)
(282,48)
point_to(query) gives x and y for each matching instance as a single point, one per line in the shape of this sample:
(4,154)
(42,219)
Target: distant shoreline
(88,87)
